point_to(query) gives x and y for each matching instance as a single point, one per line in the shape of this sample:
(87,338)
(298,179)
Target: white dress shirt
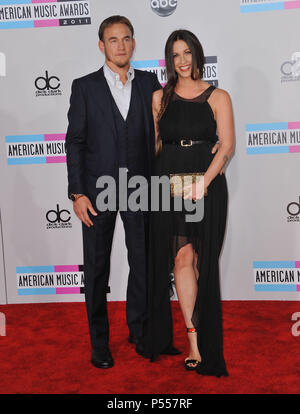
(121,93)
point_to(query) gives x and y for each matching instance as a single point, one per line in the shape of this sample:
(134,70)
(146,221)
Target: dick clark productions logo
(293,209)
(47,85)
(58,219)
(290,70)
(163,8)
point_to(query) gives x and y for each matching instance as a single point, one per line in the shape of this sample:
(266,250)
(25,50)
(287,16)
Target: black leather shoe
(102,358)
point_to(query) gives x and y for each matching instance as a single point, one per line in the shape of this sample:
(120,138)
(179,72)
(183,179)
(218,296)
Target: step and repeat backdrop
(252,50)
(2,277)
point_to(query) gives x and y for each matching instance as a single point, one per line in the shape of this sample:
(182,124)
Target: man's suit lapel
(103,99)
(142,91)
(147,108)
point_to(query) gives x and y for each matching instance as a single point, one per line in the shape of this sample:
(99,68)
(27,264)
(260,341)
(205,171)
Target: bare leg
(186,288)
(196,271)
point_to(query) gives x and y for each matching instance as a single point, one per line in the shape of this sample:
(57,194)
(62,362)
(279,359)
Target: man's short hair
(114,20)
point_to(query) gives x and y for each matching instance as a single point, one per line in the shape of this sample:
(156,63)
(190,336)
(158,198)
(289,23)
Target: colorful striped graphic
(12,142)
(263,129)
(21,14)
(33,275)
(270,6)
(281,276)
(159,67)
(142,64)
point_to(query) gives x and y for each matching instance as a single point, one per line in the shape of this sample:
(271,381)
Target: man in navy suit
(111,127)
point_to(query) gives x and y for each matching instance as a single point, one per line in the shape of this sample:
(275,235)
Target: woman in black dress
(189,113)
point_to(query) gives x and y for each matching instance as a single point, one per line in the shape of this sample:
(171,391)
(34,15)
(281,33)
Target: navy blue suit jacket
(91,136)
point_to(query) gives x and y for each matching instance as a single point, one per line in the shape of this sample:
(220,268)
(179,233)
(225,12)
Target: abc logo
(43,83)
(164,7)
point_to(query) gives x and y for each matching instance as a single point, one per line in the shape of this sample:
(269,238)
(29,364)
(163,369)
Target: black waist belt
(187,142)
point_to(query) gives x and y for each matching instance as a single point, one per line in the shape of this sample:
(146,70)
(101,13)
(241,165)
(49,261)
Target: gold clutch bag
(177,182)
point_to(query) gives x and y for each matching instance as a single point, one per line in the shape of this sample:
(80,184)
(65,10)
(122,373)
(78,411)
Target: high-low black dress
(188,119)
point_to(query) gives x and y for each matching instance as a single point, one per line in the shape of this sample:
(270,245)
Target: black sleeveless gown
(189,119)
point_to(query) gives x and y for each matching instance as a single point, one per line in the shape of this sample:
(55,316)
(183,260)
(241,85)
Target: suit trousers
(97,245)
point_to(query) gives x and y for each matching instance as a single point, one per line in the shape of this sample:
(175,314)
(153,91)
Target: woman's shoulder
(220,96)
(220,93)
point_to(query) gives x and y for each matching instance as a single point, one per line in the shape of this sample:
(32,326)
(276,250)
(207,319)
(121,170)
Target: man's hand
(216,148)
(81,207)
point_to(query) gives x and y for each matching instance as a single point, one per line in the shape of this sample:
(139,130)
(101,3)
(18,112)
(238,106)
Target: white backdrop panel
(250,49)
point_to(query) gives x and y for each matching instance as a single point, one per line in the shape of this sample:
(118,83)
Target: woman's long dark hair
(198,61)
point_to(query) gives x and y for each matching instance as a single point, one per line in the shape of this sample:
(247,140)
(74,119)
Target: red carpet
(46,350)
